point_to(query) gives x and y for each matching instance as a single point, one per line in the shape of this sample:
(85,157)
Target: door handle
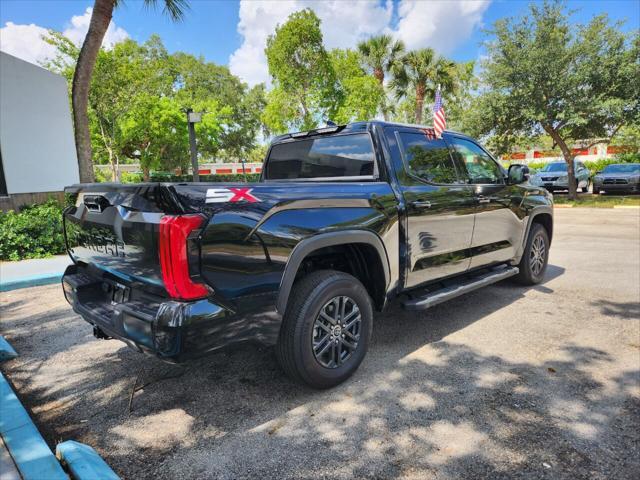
(483,200)
(421,204)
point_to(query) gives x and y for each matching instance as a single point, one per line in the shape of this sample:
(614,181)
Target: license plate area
(117,292)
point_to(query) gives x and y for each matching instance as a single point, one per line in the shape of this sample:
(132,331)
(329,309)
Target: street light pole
(192,119)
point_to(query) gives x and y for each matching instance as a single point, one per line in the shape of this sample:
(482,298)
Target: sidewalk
(31,273)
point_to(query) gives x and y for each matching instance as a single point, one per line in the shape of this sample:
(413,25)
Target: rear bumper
(612,187)
(169,329)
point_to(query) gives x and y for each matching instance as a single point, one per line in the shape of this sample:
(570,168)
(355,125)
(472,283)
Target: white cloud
(25,41)
(442,25)
(343,25)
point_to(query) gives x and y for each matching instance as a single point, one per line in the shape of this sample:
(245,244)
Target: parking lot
(508,381)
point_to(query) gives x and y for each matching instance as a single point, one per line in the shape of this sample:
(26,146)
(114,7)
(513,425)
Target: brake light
(174,263)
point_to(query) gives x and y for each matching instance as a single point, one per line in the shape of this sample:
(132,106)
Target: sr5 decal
(233,195)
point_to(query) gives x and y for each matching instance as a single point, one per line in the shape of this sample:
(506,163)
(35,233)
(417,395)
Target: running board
(426,299)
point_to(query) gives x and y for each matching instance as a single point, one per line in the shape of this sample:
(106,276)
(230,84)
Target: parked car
(618,177)
(554,177)
(344,220)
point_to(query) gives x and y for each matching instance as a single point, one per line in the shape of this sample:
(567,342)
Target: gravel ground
(507,382)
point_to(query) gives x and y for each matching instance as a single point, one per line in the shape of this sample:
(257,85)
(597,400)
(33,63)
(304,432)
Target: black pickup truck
(343,221)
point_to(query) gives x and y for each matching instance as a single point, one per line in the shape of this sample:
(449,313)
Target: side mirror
(518,174)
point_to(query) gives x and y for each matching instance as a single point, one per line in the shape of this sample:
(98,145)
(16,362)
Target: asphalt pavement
(507,382)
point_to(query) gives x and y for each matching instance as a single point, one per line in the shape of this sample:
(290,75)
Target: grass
(598,201)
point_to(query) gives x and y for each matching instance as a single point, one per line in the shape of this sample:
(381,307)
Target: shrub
(129,177)
(34,232)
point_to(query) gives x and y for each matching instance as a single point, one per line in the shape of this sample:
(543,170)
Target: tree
(545,74)
(155,132)
(303,80)
(379,55)
(359,95)
(100,19)
(420,72)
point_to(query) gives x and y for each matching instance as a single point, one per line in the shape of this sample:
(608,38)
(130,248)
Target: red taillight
(174,231)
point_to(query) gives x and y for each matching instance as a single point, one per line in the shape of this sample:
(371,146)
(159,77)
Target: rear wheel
(533,264)
(326,329)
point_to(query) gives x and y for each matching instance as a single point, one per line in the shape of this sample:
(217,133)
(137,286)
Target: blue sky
(227,32)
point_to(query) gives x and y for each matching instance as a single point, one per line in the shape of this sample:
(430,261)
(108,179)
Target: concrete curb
(6,350)
(83,462)
(34,281)
(29,451)
(634,207)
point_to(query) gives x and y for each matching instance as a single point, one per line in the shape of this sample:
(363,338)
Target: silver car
(553,176)
(618,177)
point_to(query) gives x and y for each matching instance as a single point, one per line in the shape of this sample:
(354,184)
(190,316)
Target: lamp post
(192,119)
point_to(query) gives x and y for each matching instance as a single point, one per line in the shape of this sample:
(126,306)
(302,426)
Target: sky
(234,32)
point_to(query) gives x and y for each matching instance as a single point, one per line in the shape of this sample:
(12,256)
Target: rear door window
(323,157)
(428,158)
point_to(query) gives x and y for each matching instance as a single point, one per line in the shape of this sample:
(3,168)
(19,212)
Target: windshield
(627,168)
(554,167)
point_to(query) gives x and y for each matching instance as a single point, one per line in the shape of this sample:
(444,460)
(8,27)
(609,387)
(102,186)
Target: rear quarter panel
(245,245)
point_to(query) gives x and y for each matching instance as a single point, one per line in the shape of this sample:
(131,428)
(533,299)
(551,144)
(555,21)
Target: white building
(37,150)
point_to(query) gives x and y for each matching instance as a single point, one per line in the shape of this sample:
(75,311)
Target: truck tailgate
(115,228)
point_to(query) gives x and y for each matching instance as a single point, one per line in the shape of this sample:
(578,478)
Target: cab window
(428,158)
(480,167)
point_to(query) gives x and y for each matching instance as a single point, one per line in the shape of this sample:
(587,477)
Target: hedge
(33,232)
(127,177)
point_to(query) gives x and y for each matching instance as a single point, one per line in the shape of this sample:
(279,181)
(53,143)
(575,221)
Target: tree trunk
(378,73)
(568,157)
(145,173)
(100,19)
(419,102)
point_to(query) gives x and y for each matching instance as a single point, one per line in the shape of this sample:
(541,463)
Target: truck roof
(355,126)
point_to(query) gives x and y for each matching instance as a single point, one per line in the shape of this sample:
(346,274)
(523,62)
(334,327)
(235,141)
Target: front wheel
(326,329)
(533,264)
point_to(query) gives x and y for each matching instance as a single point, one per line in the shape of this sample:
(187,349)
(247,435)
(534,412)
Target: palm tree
(422,71)
(100,19)
(379,54)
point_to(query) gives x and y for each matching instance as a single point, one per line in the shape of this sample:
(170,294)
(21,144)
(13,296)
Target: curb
(83,462)
(29,451)
(34,281)
(6,350)
(563,205)
(633,207)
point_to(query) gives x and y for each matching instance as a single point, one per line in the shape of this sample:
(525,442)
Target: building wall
(36,135)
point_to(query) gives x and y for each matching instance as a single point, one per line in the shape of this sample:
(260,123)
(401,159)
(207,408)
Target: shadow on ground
(419,407)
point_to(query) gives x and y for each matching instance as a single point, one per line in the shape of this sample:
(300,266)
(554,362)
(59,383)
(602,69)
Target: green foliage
(131,177)
(418,74)
(34,232)
(101,175)
(131,81)
(359,95)
(304,90)
(170,177)
(544,74)
(378,56)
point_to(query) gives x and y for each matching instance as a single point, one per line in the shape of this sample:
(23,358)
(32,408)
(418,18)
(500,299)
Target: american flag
(439,120)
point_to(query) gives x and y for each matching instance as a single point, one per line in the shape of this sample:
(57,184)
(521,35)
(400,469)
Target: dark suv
(343,220)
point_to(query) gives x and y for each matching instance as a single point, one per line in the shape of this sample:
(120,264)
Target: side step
(426,298)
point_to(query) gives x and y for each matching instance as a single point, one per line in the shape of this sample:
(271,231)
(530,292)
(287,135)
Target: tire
(596,190)
(532,275)
(295,351)
(586,189)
